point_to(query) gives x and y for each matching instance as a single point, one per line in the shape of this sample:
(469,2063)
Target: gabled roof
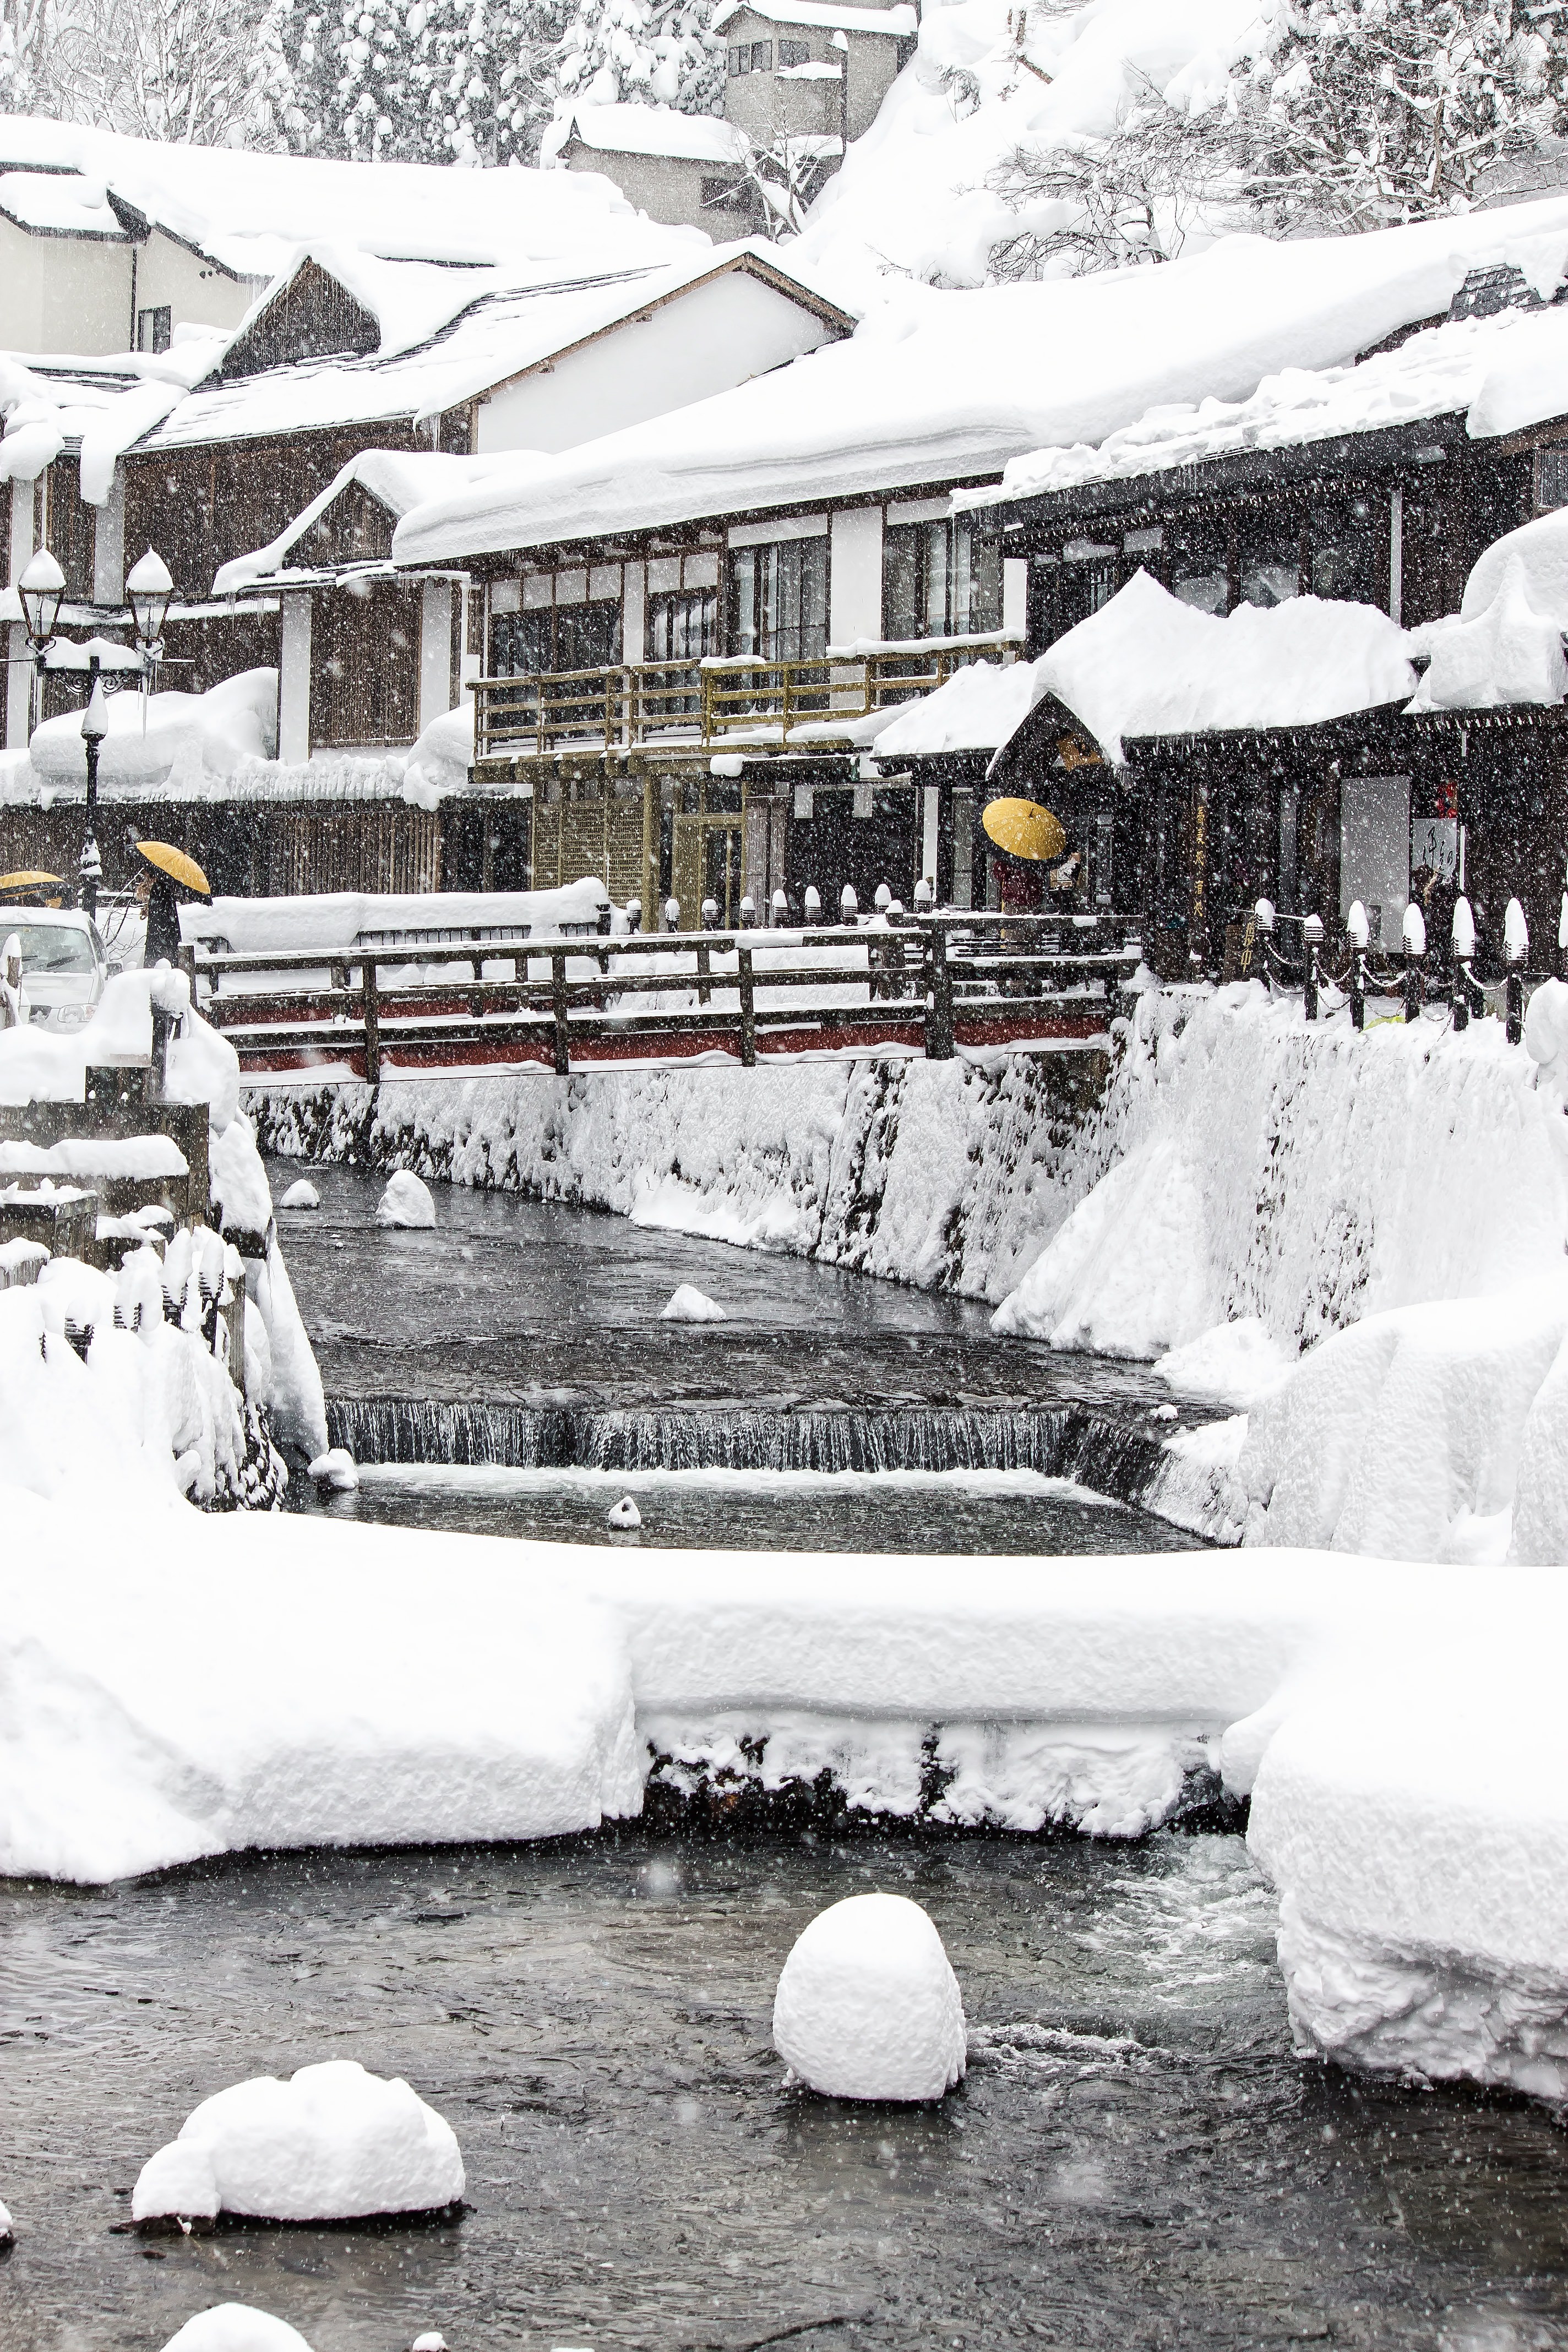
(494,341)
(397,480)
(900,23)
(59,204)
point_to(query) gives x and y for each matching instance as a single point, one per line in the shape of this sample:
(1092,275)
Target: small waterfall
(1062,1442)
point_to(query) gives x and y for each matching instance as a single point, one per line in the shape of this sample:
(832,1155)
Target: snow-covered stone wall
(1253,1165)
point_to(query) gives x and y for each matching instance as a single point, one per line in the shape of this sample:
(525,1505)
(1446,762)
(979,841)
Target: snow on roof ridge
(399,480)
(628,130)
(900,20)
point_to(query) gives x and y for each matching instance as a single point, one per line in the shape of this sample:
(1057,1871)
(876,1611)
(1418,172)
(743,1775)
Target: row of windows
(757,56)
(939,580)
(1260,556)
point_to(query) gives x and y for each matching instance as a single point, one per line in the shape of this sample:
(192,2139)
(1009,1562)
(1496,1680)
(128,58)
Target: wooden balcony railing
(639,702)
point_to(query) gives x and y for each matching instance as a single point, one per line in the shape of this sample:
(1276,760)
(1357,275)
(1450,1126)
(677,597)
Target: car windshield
(51,947)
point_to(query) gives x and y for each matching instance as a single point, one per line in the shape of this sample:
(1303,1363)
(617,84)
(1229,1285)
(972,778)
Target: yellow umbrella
(29,878)
(176,865)
(1025,829)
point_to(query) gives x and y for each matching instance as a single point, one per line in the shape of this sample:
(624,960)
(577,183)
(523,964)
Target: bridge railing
(934,984)
(713,697)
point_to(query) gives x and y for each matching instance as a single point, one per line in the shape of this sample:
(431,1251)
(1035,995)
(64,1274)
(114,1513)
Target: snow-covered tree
(23,27)
(1384,111)
(437,81)
(642,52)
(184,70)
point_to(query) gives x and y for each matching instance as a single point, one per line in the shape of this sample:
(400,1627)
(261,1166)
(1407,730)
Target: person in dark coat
(160,897)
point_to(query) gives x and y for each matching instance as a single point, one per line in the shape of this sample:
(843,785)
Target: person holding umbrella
(167,873)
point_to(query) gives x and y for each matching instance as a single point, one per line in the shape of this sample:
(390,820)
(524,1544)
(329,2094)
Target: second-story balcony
(735,699)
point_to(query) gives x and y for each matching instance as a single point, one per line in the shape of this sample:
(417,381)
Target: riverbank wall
(1226,1161)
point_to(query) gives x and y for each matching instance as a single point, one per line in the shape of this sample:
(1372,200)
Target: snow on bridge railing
(936,984)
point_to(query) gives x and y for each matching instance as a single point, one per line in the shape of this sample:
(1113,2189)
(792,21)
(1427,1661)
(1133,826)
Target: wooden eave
(1350,460)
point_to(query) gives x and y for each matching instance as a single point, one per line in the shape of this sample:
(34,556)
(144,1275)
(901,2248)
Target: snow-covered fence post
(848,906)
(1359,934)
(704,964)
(158,1068)
(779,912)
(1464,940)
(747,913)
(558,1006)
(672,914)
(1515,947)
(1312,940)
(939,997)
(709,914)
(748,1010)
(370,998)
(1263,922)
(1415,933)
(634,917)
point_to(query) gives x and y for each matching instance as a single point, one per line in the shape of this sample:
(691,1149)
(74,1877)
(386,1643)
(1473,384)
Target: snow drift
(332,2143)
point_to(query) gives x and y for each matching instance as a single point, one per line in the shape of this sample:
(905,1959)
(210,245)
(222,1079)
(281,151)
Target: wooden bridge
(938,985)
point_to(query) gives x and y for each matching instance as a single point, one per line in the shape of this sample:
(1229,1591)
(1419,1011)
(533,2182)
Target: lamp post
(41,588)
(94,727)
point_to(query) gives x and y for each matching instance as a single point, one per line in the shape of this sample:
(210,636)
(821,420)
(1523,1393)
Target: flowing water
(1136,2159)
(510,1372)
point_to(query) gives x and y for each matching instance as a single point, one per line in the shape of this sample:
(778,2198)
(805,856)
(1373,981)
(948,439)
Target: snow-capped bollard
(672,914)
(883,899)
(779,912)
(1312,943)
(634,917)
(1414,936)
(7,2231)
(848,906)
(709,914)
(336,1469)
(406,1201)
(237,2327)
(301,1194)
(811,904)
(1359,933)
(747,913)
(867,2006)
(332,2143)
(624,1515)
(925,896)
(431,2341)
(1515,947)
(687,1303)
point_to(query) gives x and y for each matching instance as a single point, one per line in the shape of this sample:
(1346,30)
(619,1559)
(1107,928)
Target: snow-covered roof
(100,405)
(1146,663)
(648,130)
(1502,374)
(938,387)
(399,480)
(1505,643)
(58,204)
(253,211)
(899,22)
(978,708)
(499,335)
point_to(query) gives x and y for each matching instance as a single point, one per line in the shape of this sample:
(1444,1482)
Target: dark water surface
(1135,2160)
(545,1310)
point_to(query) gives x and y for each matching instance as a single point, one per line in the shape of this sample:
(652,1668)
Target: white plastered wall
(63,293)
(294,681)
(855,575)
(434,651)
(703,341)
(195,291)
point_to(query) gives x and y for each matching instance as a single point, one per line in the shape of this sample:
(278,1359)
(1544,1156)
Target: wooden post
(939,1000)
(748,1010)
(558,1005)
(370,993)
(704,968)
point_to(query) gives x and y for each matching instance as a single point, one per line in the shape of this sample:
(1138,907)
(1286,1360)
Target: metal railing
(937,984)
(635,703)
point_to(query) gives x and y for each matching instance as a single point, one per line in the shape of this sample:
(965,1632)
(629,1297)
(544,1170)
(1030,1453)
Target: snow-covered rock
(236,2327)
(624,1514)
(330,2144)
(1235,1363)
(405,1201)
(336,1469)
(301,1194)
(7,2228)
(867,2006)
(687,1303)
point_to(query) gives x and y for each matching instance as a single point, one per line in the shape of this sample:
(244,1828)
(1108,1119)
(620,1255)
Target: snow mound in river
(867,2006)
(687,1303)
(301,1194)
(332,2143)
(407,1200)
(237,2327)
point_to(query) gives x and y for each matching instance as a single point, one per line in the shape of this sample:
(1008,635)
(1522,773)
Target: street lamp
(94,727)
(149,587)
(41,588)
